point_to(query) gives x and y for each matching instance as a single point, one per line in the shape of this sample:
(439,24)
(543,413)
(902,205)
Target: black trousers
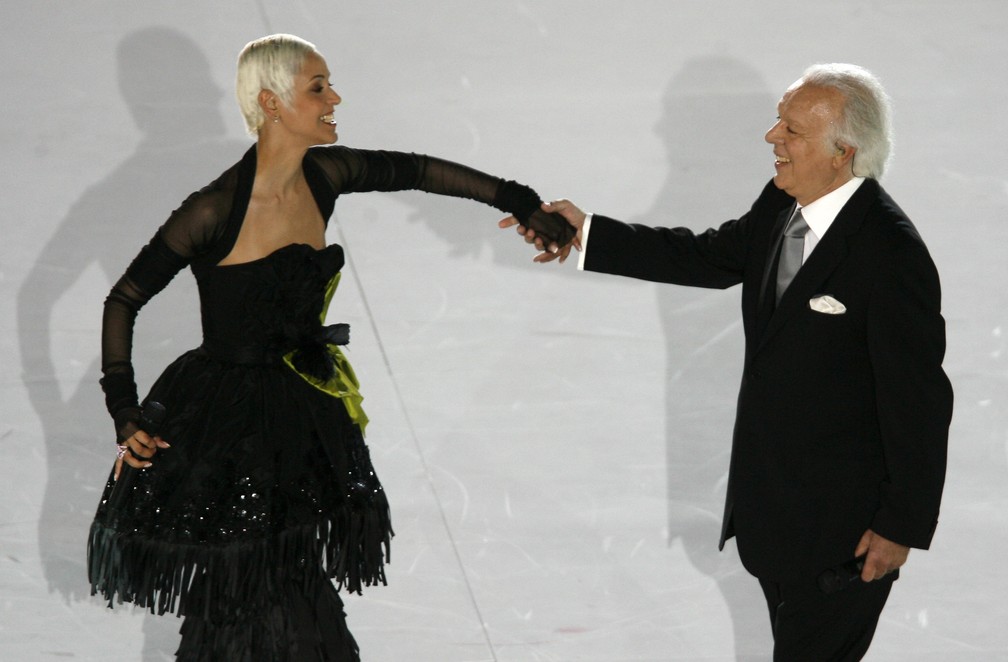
(812,626)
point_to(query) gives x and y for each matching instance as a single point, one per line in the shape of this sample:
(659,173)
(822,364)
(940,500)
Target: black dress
(267,491)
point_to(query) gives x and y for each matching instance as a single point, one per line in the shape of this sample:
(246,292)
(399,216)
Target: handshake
(553,229)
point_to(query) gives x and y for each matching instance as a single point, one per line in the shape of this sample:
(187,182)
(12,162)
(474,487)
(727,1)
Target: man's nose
(772,135)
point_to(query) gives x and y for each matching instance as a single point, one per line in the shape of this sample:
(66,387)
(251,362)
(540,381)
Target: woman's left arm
(354,170)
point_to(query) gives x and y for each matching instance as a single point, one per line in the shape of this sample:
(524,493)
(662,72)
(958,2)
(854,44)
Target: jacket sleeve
(717,258)
(906,343)
(714,259)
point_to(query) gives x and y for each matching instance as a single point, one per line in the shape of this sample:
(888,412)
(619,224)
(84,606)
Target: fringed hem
(220,581)
(298,626)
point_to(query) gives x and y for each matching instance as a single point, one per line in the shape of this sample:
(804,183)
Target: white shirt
(819,215)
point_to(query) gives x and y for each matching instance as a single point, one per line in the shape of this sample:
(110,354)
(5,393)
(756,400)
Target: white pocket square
(827,304)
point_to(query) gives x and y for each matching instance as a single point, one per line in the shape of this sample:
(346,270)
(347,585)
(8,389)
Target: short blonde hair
(268,63)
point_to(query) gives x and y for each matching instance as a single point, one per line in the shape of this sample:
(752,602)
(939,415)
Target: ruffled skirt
(266,495)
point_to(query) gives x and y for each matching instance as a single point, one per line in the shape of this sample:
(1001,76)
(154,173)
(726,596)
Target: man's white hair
(866,118)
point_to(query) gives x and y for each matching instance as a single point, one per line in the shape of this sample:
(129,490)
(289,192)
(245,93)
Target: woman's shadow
(166,81)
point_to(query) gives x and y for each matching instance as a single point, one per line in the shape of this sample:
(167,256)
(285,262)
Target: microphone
(840,576)
(152,417)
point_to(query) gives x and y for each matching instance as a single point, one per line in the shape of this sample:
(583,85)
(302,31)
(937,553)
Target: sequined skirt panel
(267,478)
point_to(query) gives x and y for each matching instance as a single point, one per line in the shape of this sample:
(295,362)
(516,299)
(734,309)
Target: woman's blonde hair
(268,63)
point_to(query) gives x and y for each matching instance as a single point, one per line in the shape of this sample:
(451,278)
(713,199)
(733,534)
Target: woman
(267,490)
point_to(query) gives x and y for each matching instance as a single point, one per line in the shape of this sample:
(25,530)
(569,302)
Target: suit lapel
(829,253)
(765,305)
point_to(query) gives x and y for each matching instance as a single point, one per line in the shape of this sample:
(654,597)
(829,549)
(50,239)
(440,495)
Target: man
(841,430)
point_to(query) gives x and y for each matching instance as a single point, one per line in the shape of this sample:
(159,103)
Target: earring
(276,119)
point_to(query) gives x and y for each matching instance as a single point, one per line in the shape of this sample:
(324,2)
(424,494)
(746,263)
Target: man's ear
(842,154)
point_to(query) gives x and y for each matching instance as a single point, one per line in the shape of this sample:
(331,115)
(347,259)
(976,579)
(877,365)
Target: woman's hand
(137,451)
(565,208)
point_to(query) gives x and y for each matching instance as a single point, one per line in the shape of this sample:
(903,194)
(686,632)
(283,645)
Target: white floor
(555,444)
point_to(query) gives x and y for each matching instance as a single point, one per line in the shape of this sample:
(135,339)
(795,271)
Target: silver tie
(791,252)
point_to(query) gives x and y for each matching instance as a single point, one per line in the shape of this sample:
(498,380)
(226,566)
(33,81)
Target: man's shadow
(716,111)
(166,81)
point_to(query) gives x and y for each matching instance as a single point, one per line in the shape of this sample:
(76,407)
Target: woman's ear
(269,103)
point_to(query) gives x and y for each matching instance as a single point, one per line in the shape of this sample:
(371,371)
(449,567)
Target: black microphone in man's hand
(841,576)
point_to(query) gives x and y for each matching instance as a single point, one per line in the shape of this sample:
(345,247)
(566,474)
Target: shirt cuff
(584,242)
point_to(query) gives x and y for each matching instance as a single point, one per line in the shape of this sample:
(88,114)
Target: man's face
(808,167)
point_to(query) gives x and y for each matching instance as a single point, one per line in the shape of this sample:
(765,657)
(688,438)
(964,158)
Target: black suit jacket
(842,420)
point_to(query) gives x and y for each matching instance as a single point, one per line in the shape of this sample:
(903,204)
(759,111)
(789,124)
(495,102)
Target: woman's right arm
(189,231)
(149,273)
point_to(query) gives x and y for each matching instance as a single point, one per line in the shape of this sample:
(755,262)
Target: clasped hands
(551,251)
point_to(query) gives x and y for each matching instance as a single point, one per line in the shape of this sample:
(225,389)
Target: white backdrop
(555,444)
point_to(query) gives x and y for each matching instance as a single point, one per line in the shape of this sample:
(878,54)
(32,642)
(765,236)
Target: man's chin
(780,183)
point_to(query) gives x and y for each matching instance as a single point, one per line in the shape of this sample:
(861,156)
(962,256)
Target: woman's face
(310,113)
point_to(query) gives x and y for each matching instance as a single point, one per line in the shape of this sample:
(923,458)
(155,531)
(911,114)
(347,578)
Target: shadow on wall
(165,79)
(716,111)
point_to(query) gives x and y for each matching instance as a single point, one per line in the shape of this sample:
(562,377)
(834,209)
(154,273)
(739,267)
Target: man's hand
(565,208)
(882,555)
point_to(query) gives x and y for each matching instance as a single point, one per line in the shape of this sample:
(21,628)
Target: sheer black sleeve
(189,230)
(353,170)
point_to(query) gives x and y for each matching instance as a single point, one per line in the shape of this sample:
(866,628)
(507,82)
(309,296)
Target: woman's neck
(278,166)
